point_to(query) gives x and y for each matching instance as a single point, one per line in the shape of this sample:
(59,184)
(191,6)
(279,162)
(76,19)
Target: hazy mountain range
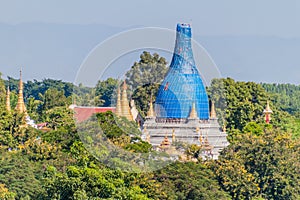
(57,50)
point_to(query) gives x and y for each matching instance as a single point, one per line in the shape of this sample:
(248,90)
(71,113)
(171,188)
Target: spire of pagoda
(213,114)
(173,136)
(125,104)
(119,106)
(268,113)
(193,113)
(8,107)
(151,112)
(20,107)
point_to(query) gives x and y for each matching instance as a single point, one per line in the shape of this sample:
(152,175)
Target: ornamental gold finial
(193,113)
(151,112)
(213,114)
(8,107)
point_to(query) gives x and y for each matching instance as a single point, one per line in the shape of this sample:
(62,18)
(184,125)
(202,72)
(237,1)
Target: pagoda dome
(182,86)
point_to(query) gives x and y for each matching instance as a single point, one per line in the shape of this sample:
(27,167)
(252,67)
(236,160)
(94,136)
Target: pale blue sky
(257,26)
(231,17)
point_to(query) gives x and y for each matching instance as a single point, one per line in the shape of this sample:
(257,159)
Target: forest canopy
(261,162)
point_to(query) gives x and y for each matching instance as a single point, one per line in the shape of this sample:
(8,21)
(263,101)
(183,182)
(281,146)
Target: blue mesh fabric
(182,85)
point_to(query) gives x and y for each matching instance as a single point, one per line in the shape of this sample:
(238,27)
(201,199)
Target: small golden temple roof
(206,146)
(165,143)
(151,112)
(125,104)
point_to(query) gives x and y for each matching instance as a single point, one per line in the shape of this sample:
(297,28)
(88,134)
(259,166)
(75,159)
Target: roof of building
(82,113)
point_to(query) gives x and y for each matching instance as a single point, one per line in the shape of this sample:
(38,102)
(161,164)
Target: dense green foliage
(189,181)
(238,103)
(261,162)
(105,91)
(264,166)
(286,97)
(144,79)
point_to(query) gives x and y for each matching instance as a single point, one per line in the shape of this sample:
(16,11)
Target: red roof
(82,113)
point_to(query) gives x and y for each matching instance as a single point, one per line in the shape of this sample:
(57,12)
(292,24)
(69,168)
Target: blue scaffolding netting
(182,87)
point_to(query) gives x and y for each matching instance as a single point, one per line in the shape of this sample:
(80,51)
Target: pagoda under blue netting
(182,86)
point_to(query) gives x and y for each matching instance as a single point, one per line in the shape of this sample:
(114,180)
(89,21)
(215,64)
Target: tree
(150,69)
(144,79)
(238,103)
(32,107)
(188,181)
(2,93)
(54,98)
(265,165)
(122,132)
(90,182)
(143,95)
(285,96)
(20,175)
(5,194)
(105,92)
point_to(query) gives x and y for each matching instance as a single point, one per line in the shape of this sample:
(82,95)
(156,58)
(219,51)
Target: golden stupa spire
(193,113)
(20,107)
(165,143)
(8,107)
(173,136)
(119,106)
(151,112)
(125,104)
(213,114)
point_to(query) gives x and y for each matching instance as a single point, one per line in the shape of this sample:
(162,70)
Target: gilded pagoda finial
(151,112)
(193,113)
(124,85)
(125,104)
(8,107)
(20,107)
(119,106)
(213,114)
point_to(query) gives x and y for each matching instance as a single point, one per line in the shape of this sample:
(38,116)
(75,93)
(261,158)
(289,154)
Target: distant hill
(57,50)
